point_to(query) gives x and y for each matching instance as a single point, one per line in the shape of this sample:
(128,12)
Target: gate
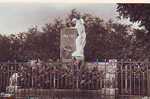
(107,80)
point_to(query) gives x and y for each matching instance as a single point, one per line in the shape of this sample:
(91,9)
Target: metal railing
(109,80)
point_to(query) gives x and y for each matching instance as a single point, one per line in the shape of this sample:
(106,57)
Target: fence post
(148,82)
(105,80)
(77,63)
(54,80)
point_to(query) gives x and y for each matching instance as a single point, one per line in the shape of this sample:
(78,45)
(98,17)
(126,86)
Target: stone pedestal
(67,44)
(12,89)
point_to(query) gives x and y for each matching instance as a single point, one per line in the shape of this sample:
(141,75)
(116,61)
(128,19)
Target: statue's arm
(82,21)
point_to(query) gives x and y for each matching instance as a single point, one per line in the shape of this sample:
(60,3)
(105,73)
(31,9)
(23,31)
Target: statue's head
(76,15)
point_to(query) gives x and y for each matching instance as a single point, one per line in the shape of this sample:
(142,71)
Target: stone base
(131,97)
(77,59)
(108,91)
(11,89)
(81,58)
(57,94)
(7,96)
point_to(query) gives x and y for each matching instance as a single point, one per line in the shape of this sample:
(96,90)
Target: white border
(76,1)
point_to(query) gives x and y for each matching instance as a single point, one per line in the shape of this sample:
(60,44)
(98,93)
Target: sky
(80,1)
(18,17)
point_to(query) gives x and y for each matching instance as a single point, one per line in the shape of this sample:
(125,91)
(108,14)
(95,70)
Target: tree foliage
(136,12)
(104,40)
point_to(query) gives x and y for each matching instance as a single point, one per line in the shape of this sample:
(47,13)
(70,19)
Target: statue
(14,79)
(13,83)
(81,38)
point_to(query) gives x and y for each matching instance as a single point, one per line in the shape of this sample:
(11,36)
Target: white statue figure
(13,79)
(13,83)
(81,38)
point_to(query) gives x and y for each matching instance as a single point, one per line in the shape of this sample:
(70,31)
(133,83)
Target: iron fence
(110,80)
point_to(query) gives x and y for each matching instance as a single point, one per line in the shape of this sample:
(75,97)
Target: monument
(72,43)
(73,40)
(81,38)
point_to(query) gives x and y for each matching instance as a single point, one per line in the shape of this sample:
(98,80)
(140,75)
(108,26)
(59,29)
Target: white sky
(80,1)
(18,17)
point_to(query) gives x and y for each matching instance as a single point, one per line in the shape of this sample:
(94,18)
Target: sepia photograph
(74,49)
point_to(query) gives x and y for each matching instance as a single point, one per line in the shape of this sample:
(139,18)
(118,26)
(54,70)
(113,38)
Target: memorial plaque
(67,43)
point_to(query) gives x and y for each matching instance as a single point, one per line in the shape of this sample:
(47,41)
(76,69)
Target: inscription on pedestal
(67,43)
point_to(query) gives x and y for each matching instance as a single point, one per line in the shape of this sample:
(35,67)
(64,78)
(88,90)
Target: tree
(136,12)
(51,39)
(105,40)
(5,48)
